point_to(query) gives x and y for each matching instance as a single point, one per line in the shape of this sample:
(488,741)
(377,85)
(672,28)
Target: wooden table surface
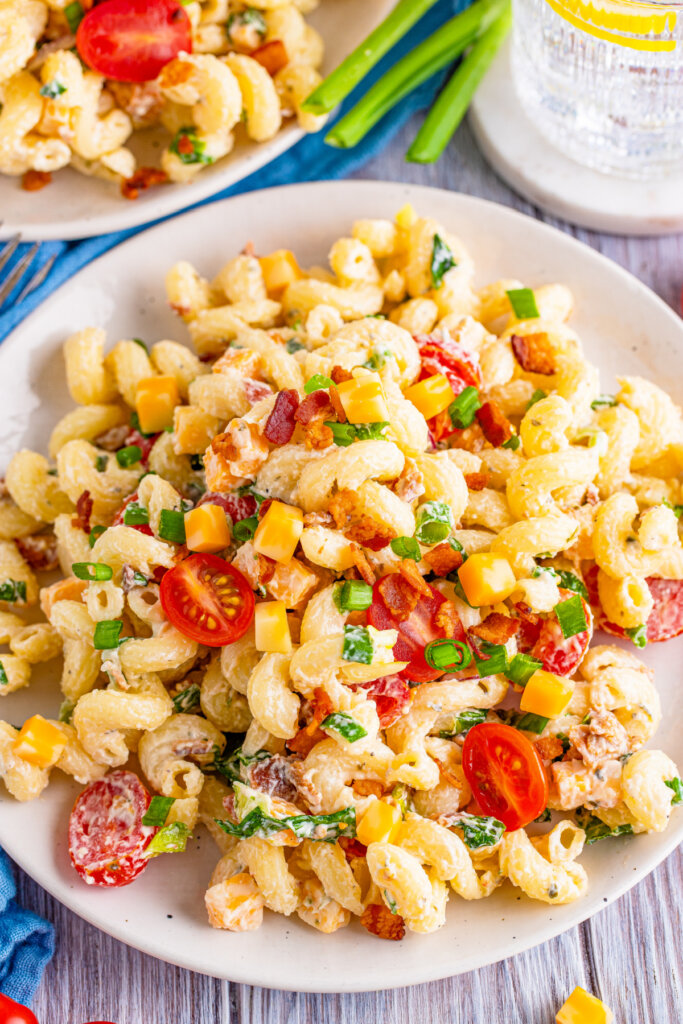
(630,954)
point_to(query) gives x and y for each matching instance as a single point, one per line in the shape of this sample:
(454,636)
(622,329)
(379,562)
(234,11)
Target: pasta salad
(328,587)
(79,79)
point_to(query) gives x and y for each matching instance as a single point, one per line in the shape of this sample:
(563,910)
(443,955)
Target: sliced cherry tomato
(15,1013)
(505,773)
(118,518)
(542,637)
(132,40)
(415,631)
(208,600)
(666,618)
(238,506)
(107,840)
(439,354)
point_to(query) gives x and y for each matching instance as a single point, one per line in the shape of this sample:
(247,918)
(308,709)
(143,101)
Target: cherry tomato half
(505,773)
(132,40)
(15,1013)
(415,631)
(208,600)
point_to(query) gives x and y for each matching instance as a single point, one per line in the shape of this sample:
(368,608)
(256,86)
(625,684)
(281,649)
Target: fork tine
(9,249)
(17,272)
(37,279)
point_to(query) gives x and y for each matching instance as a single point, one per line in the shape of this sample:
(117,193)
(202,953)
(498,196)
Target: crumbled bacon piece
(534,353)
(471,439)
(113,439)
(40,551)
(83,512)
(33,181)
(443,559)
(144,178)
(352,847)
(315,406)
(477,481)
(337,405)
(358,527)
(339,375)
(317,435)
(378,920)
(495,424)
(549,747)
(409,485)
(272,56)
(367,787)
(281,423)
(304,741)
(319,708)
(447,619)
(398,594)
(256,390)
(274,777)
(362,565)
(496,628)
(391,695)
(410,572)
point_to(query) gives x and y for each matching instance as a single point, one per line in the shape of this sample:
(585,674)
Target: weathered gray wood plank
(630,953)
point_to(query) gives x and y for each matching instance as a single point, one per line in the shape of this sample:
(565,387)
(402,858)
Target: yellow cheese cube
(486,578)
(194,429)
(363,399)
(277,535)
(206,528)
(155,401)
(546,694)
(432,395)
(583,1008)
(406,217)
(279,269)
(271,629)
(39,742)
(379,824)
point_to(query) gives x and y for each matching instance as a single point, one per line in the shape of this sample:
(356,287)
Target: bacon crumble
(443,559)
(534,353)
(83,512)
(379,920)
(494,423)
(496,628)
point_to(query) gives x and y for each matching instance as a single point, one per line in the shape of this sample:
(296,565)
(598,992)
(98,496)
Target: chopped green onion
(74,14)
(294,345)
(157,812)
(521,669)
(532,723)
(232,766)
(106,635)
(96,532)
(434,522)
(189,148)
(245,529)
(406,547)
(320,828)
(380,354)
(136,515)
(140,342)
(172,525)
(637,635)
(457,546)
(676,509)
(571,616)
(13,591)
(564,578)
(463,409)
(478,830)
(452,103)
(185,702)
(129,455)
(442,261)
(370,431)
(596,829)
(355,596)
(345,725)
(676,786)
(603,401)
(447,654)
(391,903)
(51,90)
(344,434)
(538,394)
(250,16)
(523,302)
(318,382)
(139,580)
(101,463)
(495,660)
(512,443)
(169,839)
(66,711)
(92,571)
(356,66)
(358,645)
(4,681)
(464,721)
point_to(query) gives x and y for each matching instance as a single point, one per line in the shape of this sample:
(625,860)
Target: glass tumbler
(603,81)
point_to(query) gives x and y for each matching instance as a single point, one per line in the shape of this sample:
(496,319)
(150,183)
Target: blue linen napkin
(309,160)
(26,942)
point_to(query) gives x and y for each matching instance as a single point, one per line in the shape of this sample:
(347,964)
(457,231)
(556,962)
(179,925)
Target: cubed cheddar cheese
(278,533)
(406,217)
(363,399)
(155,402)
(583,1008)
(546,694)
(271,629)
(279,269)
(206,529)
(379,824)
(486,578)
(432,395)
(193,429)
(39,742)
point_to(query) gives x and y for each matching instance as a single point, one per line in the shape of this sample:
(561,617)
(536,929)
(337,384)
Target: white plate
(625,328)
(76,206)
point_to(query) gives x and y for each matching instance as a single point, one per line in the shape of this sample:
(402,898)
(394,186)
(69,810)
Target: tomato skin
(443,355)
(132,40)
(190,594)
(15,1013)
(513,795)
(542,636)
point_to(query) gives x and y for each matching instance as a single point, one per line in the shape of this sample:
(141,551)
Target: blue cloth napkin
(309,160)
(26,942)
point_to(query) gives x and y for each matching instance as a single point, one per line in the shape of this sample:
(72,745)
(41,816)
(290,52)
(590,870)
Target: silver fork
(20,269)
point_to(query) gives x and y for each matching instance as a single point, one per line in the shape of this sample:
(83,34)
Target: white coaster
(531,165)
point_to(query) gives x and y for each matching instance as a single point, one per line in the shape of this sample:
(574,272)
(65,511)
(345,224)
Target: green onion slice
(464,721)
(571,616)
(129,455)
(538,394)
(157,812)
(245,529)
(172,525)
(637,635)
(462,411)
(495,659)
(532,723)
(523,302)
(355,596)
(345,725)
(13,591)
(447,654)
(357,645)
(521,669)
(96,532)
(135,515)
(169,839)
(442,261)
(434,522)
(92,571)
(106,635)
(318,382)
(406,547)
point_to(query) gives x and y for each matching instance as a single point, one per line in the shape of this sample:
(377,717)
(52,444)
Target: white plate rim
(573,914)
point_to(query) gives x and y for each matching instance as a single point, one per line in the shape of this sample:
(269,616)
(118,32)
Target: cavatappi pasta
(334,574)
